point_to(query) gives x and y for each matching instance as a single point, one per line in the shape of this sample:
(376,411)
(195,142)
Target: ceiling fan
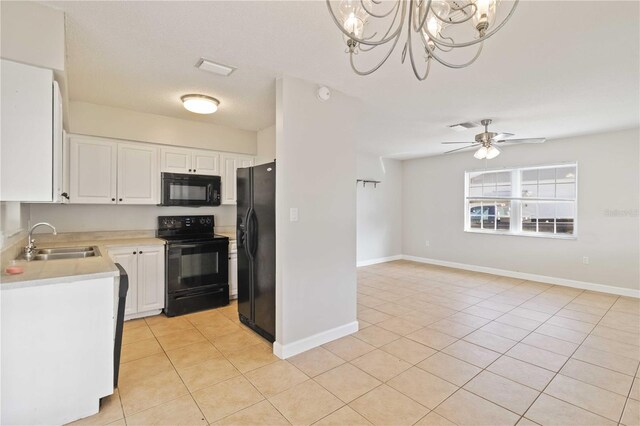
(486,140)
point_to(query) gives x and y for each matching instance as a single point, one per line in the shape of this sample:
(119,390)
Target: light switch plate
(293,214)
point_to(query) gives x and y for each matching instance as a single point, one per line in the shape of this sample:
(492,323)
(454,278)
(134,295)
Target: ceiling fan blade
(459,149)
(501,136)
(460,142)
(526,140)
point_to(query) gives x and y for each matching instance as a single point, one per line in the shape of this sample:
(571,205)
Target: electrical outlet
(426,243)
(585,260)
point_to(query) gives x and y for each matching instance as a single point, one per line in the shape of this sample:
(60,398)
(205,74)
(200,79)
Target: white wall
(379,220)
(266,146)
(87,218)
(99,120)
(316,256)
(14,221)
(32,34)
(609,179)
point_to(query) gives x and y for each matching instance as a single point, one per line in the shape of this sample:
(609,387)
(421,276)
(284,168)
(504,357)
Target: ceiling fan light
(481,153)
(200,104)
(492,152)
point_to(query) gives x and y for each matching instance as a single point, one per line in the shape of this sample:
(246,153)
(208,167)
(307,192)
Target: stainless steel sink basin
(60,250)
(65,253)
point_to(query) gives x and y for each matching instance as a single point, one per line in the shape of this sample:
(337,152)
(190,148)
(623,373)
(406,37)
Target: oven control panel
(186,224)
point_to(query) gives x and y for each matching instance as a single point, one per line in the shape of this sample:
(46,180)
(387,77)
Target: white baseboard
(530,277)
(379,260)
(302,345)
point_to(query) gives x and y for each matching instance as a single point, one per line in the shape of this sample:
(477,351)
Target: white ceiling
(556,69)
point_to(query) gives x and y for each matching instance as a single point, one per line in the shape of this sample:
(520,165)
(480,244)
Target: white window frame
(516,203)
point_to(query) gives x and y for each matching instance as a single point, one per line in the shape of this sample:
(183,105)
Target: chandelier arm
(456,9)
(375,15)
(456,66)
(411,58)
(479,39)
(365,41)
(375,68)
(443,49)
(370,48)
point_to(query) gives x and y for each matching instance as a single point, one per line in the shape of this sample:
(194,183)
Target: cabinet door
(230,164)
(206,162)
(128,258)
(26,154)
(175,160)
(233,276)
(138,177)
(150,278)
(92,170)
(245,162)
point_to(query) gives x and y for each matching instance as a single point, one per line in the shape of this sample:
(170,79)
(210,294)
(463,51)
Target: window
(535,201)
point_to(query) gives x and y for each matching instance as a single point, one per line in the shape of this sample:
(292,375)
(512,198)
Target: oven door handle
(183,246)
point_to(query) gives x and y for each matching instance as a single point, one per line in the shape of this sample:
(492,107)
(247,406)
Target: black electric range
(196,264)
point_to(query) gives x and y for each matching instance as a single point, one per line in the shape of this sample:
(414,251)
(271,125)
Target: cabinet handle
(140,252)
(134,252)
(189,170)
(194,170)
(113,199)
(119,199)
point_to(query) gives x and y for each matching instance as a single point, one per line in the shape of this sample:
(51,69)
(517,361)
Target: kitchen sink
(60,250)
(65,253)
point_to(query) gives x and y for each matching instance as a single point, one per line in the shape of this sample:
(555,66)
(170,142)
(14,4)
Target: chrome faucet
(31,246)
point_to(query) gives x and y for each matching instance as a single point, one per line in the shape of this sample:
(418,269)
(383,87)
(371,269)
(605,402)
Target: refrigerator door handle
(254,233)
(248,234)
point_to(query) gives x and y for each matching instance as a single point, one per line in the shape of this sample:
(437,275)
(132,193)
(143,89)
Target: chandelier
(440,26)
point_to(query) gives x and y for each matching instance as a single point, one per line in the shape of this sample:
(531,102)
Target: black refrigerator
(256,239)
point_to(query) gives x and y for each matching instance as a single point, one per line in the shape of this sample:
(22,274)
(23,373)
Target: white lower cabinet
(233,270)
(145,268)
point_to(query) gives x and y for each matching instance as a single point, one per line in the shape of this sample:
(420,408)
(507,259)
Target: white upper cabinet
(138,177)
(206,162)
(111,171)
(29,116)
(175,160)
(92,170)
(230,164)
(195,161)
(105,171)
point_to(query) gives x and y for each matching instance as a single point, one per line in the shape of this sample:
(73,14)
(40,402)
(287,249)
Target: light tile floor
(436,346)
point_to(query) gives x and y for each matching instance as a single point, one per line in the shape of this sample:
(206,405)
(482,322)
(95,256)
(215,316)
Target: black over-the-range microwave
(180,189)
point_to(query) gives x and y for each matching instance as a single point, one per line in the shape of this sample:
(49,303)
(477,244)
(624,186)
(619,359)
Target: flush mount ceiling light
(367,24)
(200,104)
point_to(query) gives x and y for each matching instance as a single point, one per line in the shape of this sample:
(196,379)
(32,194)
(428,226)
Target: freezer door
(262,224)
(245,265)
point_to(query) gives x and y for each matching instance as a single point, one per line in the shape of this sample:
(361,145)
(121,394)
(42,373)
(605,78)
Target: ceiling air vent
(213,67)
(461,127)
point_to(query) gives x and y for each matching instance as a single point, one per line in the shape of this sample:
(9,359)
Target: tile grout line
(624,407)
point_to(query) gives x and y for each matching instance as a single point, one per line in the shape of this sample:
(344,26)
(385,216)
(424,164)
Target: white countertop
(46,272)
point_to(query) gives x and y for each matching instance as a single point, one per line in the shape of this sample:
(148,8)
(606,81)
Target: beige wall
(316,255)
(100,120)
(86,218)
(32,34)
(266,151)
(379,209)
(609,179)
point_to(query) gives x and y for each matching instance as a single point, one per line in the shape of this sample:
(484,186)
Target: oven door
(190,190)
(196,266)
